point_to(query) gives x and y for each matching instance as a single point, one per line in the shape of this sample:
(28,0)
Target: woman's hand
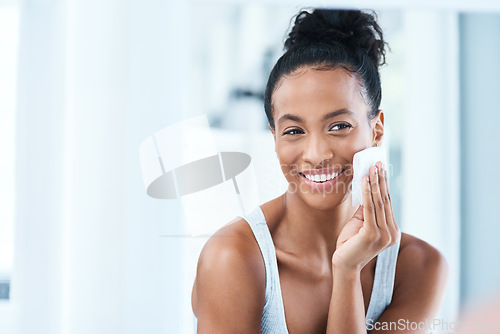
(372,228)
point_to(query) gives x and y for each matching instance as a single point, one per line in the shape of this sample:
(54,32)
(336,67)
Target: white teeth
(334,175)
(321,178)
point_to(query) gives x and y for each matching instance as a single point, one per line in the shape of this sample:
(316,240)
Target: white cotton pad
(361,164)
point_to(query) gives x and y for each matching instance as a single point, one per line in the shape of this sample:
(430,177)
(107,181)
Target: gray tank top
(273,316)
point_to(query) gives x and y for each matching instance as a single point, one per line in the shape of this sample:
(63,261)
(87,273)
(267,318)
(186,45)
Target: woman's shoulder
(416,252)
(420,265)
(420,282)
(230,263)
(233,241)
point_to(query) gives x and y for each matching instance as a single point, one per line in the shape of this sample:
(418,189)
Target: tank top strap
(273,317)
(383,282)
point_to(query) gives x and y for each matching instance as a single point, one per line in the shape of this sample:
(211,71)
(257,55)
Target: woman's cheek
(287,156)
(354,144)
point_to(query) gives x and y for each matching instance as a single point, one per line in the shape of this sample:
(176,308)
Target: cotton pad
(361,164)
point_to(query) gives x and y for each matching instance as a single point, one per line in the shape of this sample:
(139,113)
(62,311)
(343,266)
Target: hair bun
(354,29)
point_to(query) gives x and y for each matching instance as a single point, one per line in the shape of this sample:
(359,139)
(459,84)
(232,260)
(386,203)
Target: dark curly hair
(326,39)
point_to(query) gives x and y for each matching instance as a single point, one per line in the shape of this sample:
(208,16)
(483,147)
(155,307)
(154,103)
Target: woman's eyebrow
(326,117)
(336,113)
(291,118)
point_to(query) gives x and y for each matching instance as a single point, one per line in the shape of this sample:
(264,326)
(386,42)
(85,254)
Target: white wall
(431,160)
(95,79)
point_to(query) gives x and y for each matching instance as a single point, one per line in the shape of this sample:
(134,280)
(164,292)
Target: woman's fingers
(368,206)
(377,198)
(386,198)
(378,213)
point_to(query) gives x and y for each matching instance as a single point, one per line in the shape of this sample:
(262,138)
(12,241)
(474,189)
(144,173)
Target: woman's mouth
(321,179)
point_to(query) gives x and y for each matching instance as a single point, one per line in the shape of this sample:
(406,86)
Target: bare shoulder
(421,275)
(232,242)
(416,255)
(229,289)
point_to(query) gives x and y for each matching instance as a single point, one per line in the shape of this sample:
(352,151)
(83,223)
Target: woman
(308,261)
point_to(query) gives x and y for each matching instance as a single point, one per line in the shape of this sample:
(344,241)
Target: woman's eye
(293,132)
(341,126)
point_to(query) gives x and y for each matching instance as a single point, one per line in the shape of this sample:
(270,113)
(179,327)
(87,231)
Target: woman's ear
(378,128)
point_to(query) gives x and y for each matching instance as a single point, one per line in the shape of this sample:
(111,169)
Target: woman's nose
(317,149)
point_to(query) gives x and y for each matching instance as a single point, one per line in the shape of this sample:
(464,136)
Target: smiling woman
(308,261)
(307,129)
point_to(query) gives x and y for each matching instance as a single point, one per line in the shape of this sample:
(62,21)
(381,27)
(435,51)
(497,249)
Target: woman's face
(321,121)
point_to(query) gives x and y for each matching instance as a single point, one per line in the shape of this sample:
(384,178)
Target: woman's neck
(308,231)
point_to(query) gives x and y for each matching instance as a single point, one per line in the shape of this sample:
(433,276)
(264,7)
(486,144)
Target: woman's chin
(323,201)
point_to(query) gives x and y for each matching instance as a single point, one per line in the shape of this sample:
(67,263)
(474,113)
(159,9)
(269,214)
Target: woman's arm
(229,290)
(422,276)
(347,310)
(369,232)
(421,271)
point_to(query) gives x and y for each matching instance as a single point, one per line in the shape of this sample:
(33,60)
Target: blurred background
(83,249)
